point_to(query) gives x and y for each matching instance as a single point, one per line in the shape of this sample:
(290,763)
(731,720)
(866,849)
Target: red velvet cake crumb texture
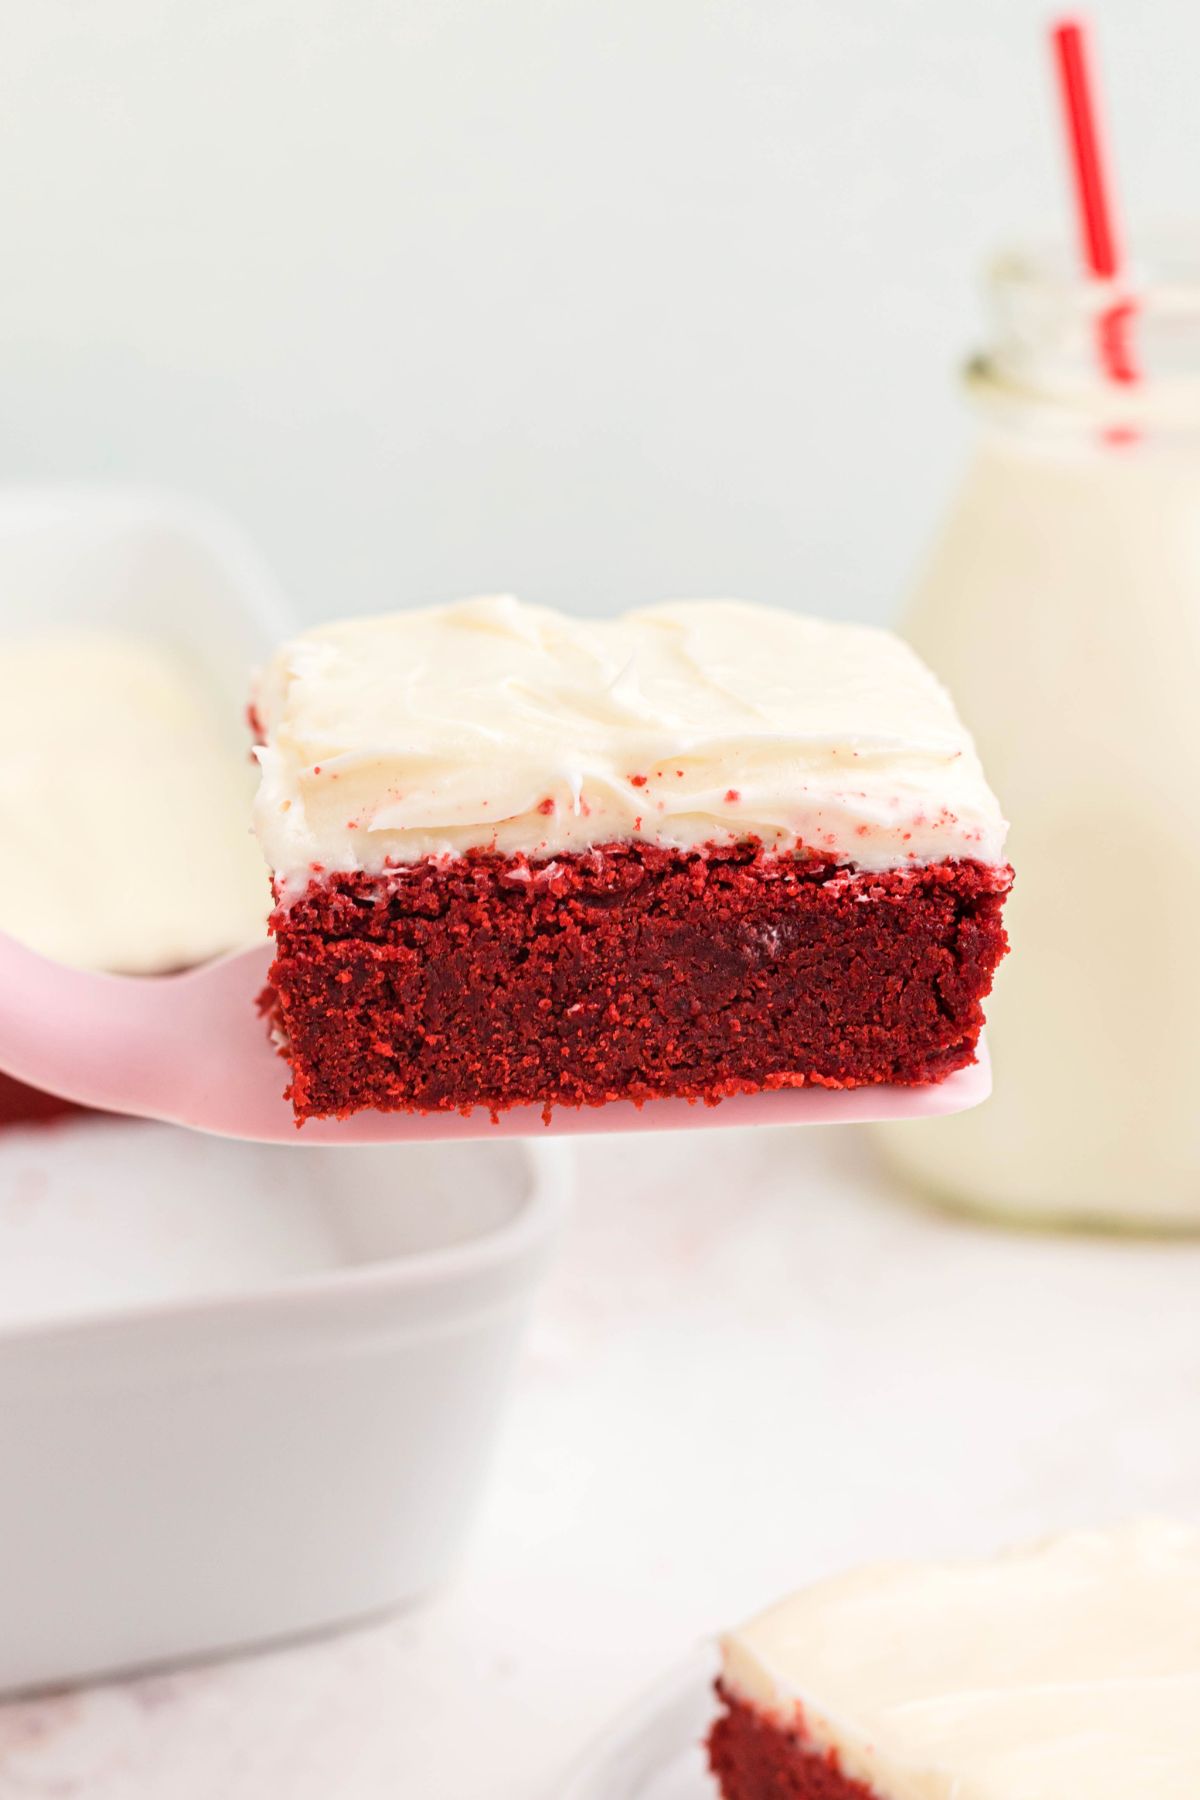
(628,972)
(21,1105)
(754,1759)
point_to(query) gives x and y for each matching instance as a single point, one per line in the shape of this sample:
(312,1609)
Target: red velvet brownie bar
(705,849)
(1066,1670)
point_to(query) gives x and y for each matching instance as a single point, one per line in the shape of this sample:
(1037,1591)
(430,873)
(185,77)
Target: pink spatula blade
(192,1050)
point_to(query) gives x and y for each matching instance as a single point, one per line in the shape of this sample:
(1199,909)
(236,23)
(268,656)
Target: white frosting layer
(495,724)
(1069,1671)
(125,839)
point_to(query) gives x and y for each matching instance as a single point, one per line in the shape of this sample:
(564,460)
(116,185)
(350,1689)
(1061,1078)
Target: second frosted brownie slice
(703,849)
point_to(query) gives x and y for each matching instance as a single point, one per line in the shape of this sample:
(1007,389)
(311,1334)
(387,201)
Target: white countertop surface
(752,1364)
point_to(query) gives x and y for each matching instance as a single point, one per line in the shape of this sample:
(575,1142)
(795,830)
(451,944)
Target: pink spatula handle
(180,1047)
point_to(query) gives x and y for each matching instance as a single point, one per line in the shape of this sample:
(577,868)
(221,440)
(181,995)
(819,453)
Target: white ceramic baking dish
(244,1391)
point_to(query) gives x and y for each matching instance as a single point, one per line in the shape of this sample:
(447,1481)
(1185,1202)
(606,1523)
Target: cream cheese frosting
(1066,1671)
(124,807)
(494,724)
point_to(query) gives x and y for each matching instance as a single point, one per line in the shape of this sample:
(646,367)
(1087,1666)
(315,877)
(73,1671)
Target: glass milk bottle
(1062,608)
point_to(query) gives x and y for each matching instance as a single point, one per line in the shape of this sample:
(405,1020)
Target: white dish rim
(531,1224)
(131,504)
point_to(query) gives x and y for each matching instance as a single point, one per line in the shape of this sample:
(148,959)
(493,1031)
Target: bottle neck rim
(1071,352)
(1087,407)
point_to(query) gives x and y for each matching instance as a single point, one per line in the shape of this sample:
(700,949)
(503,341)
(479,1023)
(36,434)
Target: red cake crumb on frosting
(752,1758)
(628,971)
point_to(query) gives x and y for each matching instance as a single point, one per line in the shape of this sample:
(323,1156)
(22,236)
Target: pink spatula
(191,1049)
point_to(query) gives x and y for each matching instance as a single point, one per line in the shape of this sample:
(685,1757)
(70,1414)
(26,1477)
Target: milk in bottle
(1061,606)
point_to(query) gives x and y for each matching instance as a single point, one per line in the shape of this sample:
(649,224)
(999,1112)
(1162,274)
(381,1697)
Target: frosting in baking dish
(494,724)
(1068,1671)
(124,807)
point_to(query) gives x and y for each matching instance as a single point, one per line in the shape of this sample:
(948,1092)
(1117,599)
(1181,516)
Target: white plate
(655,1751)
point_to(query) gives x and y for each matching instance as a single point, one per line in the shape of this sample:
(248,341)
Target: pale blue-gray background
(598,300)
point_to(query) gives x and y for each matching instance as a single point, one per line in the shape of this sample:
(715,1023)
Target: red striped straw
(1093,190)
